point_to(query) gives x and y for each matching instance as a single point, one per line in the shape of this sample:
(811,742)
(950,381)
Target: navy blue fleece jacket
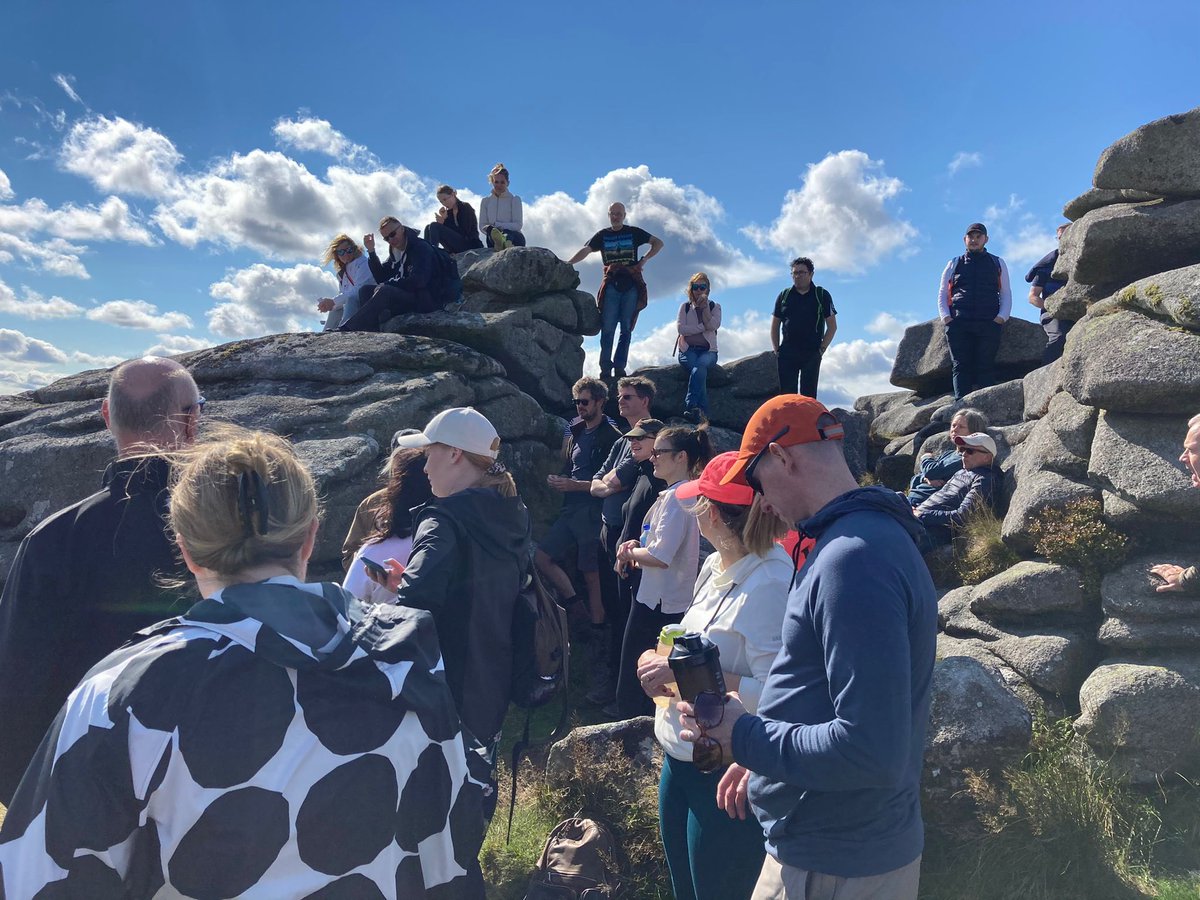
(837,745)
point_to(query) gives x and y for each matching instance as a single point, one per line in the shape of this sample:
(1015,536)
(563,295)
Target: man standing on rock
(836,749)
(84,580)
(622,293)
(805,314)
(1177,578)
(1041,285)
(974,301)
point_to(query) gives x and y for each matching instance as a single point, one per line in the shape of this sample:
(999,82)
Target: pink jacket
(689,321)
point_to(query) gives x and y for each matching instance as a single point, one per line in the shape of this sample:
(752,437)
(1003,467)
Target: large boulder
(735,389)
(1126,361)
(1003,404)
(1141,714)
(521,271)
(1138,617)
(1094,198)
(922,360)
(338,396)
(976,724)
(634,738)
(1173,295)
(906,418)
(1028,590)
(1161,157)
(1072,301)
(874,404)
(1134,459)
(1119,244)
(1039,388)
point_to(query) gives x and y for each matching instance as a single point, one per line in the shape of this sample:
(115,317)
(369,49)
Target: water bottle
(696,663)
(645,538)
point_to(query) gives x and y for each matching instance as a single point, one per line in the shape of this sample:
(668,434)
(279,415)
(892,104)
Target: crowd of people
(183,709)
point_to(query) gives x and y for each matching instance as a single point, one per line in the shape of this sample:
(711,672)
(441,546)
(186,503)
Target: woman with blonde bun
(268,742)
(500,216)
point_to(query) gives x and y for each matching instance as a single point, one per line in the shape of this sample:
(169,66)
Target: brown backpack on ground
(579,862)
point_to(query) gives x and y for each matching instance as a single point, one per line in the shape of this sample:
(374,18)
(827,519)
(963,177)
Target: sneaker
(621,373)
(612,711)
(693,416)
(499,239)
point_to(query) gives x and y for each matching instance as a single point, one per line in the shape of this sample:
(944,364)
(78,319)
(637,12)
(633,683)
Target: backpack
(579,861)
(541,657)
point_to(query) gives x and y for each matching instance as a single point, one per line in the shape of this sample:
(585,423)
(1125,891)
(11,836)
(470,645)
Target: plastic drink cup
(666,640)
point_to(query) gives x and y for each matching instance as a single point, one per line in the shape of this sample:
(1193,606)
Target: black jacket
(641,497)
(469,556)
(465,222)
(967,490)
(426,270)
(82,583)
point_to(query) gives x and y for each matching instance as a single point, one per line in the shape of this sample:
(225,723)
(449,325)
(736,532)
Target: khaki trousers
(780,882)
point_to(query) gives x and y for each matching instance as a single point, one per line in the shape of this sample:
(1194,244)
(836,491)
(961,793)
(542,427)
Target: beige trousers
(780,882)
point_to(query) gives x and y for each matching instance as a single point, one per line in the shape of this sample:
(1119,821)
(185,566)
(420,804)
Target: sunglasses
(967,451)
(391,234)
(751,478)
(708,710)
(659,451)
(582,402)
(700,286)
(345,251)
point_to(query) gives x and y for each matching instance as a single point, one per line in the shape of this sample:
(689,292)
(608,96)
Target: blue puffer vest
(975,287)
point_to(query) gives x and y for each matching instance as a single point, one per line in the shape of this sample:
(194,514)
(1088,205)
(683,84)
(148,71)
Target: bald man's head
(151,401)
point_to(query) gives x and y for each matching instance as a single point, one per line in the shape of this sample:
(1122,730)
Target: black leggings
(380,303)
(641,633)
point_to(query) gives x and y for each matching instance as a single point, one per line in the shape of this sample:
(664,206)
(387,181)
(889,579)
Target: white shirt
(674,540)
(357,582)
(740,610)
(356,274)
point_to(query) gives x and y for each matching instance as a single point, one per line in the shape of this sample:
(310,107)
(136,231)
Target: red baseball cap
(787,420)
(709,483)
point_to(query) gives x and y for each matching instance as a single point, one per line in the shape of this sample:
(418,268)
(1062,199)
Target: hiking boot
(693,416)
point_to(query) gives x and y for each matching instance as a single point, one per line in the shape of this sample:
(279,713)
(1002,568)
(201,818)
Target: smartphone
(375,568)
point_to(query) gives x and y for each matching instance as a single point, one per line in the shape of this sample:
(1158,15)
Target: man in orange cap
(836,749)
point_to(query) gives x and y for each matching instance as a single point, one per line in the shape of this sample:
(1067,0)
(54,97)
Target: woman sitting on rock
(353,273)
(392,536)
(935,471)
(739,602)
(668,555)
(500,217)
(456,227)
(273,736)
(698,321)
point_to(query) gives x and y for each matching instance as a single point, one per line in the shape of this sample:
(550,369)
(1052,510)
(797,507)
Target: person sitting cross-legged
(971,488)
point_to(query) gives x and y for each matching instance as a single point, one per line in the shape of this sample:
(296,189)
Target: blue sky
(169,173)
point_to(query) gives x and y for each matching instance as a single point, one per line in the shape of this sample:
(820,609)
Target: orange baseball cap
(787,420)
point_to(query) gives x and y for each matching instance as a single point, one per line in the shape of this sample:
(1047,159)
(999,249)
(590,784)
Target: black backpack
(541,657)
(579,862)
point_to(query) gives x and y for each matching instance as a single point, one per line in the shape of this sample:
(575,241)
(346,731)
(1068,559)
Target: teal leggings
(711,856)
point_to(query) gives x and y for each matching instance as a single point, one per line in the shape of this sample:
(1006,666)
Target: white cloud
(34,306)
(839,216)
(964,160)
(138,314)
(1016,235)
(317,136)
(6,191)
(20,226)
(682,215)
(67,83)
(271,203)
(889,326)
(95,362)
(264,300)
(16,347)
(56,256)
(172,344)
(16,380)
(851,369)
(119,156)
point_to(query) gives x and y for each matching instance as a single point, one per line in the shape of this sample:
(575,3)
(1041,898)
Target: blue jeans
(619,307)
(697,361)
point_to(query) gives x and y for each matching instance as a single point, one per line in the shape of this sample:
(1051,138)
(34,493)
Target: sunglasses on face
(708,711)
(967,451)
(345,251)
(751,477)
(660,451)
(700,286)
(391,234)
(582,401)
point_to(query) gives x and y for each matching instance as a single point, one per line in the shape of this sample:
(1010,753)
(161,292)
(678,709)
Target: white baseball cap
(461,427)
(978,440)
